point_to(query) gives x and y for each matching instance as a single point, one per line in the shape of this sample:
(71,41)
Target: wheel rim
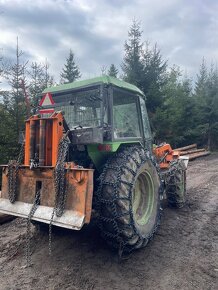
(143,198)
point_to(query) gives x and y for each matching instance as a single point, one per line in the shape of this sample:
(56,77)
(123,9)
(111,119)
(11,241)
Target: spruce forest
(182,110)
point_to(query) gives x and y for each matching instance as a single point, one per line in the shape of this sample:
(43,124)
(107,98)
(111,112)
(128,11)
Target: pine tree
(132,65)
(1,73)
(14,106)
(153,77)
(39,80)
(206,96)
(8,139)
(113,71)
(144,66)
(174,120)
(212,141)
(201,83)
(36,82)
(71,71)
(103,70)
(48,80)
(15,99)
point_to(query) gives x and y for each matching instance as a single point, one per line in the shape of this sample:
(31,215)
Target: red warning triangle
(46,100)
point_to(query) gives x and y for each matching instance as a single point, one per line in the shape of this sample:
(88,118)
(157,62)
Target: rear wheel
(129,199)
(176,184)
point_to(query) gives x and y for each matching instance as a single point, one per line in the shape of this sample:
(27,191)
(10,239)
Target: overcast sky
(185,31)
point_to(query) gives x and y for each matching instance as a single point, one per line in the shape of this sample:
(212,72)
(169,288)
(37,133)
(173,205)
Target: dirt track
(183,254)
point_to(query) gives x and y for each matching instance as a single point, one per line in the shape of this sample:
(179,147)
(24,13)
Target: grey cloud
(96,30)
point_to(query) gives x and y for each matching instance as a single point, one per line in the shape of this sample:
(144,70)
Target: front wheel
(129,199)
(176,184)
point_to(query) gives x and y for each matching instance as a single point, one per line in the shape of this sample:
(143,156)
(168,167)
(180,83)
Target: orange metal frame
(42,137)
(80,187)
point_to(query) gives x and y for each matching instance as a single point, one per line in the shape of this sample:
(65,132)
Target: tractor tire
(129,199)
(176,184)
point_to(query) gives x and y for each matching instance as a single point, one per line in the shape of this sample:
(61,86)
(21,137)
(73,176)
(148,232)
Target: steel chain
(31,214)
(13,167)
(60,184)
(116,239)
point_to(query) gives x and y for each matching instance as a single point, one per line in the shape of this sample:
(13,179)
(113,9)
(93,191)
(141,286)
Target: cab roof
(94,81)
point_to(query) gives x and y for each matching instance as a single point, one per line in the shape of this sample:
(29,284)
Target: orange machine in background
(165,154)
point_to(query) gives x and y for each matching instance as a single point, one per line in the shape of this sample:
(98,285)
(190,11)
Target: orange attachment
(79,193)
(36,176)
(165,154)
(42,139)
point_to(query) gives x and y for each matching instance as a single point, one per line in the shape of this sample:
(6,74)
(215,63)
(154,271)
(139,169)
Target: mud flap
(79,196)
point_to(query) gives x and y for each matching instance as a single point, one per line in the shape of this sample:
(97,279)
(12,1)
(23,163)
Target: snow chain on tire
(114,199)
(176,184)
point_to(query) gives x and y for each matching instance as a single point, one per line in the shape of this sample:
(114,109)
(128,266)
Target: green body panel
(99,157)
(94,81)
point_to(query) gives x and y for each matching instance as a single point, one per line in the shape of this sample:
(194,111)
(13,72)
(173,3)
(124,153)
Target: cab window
(125,115)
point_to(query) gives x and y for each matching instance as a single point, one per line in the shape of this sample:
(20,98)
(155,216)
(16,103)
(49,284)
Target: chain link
(115,237)
(20,158)
(31,214)
(60,184)
(13,167)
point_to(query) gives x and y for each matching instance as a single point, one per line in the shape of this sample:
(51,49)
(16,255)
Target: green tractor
(88,153)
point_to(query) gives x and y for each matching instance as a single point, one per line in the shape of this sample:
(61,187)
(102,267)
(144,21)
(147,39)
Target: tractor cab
(100,110)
